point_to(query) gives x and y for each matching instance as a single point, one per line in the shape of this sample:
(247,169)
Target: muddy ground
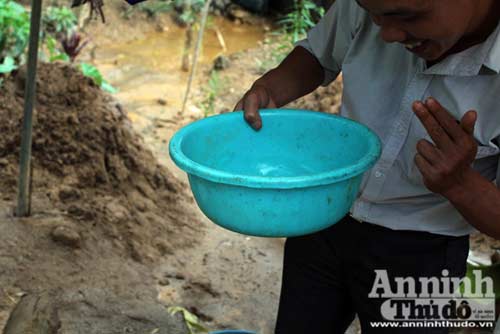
(115,234)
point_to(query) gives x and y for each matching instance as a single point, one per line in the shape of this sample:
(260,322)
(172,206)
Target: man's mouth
(417,47)
(413,45)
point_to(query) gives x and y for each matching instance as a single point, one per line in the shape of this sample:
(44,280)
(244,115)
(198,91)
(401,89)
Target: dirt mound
(325,99)
(103,210)
(91,165)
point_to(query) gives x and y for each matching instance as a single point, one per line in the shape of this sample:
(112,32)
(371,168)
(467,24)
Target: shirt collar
(470,62)
(492,60)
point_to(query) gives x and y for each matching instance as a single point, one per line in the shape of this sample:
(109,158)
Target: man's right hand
(258,97)
(298,74)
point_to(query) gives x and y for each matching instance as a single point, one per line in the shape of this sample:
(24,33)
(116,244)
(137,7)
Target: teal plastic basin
(299,174)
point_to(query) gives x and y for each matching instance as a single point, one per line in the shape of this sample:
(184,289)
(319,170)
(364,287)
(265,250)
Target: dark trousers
(327,276)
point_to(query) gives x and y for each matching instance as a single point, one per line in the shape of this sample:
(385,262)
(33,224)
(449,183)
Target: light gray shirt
(381,81)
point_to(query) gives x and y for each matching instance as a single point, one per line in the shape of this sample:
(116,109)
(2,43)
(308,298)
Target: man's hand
(446,164)
(298,74)
(256,98)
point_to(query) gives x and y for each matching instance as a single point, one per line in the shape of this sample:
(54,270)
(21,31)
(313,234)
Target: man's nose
(390,32)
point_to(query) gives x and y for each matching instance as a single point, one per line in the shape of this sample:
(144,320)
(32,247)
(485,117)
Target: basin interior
(290,143)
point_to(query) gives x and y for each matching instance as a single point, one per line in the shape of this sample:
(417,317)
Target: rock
(81,212)
(164,248)
(162,102)
(164,281)
(221,62)
(69,194)
(73,120)
(236,12)
(116,211)
(90,311)
(67,236)
(33,314)
(4,162)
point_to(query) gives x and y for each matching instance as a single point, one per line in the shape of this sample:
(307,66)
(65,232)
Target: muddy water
(149,69)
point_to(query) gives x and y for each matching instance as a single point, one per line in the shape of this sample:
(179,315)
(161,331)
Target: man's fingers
(251,105)
(426,169)
(434,129)
(428,151)
(447,122)
(423,165)
(469,121)
(239,105)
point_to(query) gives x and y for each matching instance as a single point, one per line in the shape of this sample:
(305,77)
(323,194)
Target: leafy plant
(8,65)
(54,54)
(59,20)
(213,89)
(92,72)
(73,45)
(14,34)
(192,322)
(301,18)
(189,14)
(153,8)
(294,26)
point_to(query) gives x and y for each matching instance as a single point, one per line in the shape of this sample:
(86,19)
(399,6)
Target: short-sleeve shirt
(381,81)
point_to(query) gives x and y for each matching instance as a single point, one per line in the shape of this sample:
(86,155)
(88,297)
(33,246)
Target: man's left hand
(446,164)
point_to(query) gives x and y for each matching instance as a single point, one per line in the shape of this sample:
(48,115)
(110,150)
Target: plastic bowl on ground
(297,175)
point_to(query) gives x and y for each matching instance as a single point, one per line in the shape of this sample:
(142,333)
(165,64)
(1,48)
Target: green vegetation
(92,72)
(151,8)
(293,27)
(60,41)
(58,20)
(301,19)
(14,35)
(189,13)
(53,53)
(192,322)
(214,87)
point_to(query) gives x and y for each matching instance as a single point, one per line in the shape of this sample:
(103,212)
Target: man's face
(428,28)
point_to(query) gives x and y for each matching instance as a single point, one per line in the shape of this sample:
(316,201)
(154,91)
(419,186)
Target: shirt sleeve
(330,39)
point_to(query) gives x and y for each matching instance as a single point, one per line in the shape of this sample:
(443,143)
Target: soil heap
(103,209)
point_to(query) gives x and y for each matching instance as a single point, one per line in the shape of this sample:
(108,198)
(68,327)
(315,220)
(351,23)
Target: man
(424,75)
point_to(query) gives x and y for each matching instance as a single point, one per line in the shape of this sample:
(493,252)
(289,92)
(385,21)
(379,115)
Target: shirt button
(378,174)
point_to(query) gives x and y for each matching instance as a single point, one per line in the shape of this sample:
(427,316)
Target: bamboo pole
(196,52)
(189,38)
(220,37)
(24,192)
